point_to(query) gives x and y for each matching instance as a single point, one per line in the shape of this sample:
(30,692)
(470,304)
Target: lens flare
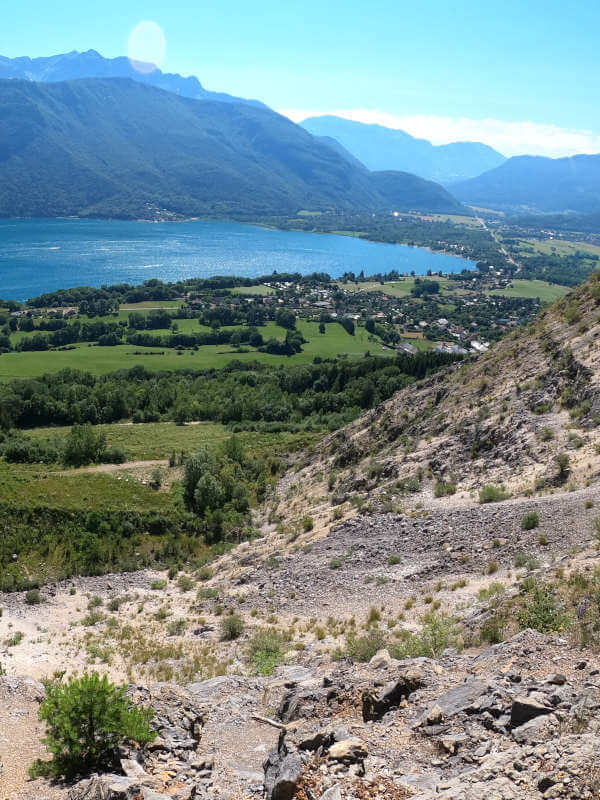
(146,47)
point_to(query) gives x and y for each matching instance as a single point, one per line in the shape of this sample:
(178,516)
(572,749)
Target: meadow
(102,360)
(157,440)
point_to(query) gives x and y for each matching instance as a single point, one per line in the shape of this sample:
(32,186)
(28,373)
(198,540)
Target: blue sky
(522,76)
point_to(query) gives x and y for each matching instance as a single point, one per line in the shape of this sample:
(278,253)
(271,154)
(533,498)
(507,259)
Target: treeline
(155,289)
(568,270)
(475,243)
(321,395)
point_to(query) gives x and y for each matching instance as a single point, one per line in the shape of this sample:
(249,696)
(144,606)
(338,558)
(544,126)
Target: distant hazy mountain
(537,183)
(74,65)
(115,147)
(380,148)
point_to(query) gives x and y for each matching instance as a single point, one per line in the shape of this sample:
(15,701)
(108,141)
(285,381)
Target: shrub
(363,648)
(83,446)
(156,479)
(439,632)
(492,494)
(562,462)
(185,583)
(336,563)
(526,561)
(541,608)
(160,584)
(87,719)
(393,560)
(442,489)
(33,597)
(530,521)
(265,650)
(114,455)
(232,628)
(176,627)
(308,524)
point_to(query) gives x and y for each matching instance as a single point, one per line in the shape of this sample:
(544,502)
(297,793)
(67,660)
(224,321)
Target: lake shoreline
(38,255)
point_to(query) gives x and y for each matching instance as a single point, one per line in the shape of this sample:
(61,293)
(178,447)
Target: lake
(42,255)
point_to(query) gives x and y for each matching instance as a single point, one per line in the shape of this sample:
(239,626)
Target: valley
(299,408)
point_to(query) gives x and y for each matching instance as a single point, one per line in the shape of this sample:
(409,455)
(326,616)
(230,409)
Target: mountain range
(380,148)
(535,183)
(116,147)
(90,64)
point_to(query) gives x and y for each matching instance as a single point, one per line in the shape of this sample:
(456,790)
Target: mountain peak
(381,149)
(92,64)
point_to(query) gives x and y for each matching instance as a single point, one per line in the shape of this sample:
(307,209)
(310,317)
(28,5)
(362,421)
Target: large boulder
(376,704)
(283,768)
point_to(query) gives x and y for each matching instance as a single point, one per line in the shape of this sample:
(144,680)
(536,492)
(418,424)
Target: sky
(520,75)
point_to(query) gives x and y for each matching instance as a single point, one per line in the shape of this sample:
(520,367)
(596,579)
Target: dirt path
(161,462)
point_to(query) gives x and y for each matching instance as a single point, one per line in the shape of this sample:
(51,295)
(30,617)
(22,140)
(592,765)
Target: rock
(112,787)
(322,739)
(451,744)
(374,706)
(435,716)
(334,793)
(557,679)
(525,708)
(461,698)
(348,751)
(536,731)
(133,769)
(282,769)
(381,660)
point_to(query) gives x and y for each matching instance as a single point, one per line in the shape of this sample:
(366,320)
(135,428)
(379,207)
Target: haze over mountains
(380,148)
(115,147)
(538,184)
(101,146)
(73,65)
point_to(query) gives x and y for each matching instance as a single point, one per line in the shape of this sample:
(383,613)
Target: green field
(148,304)
(399,288)
(560,247)
(157,440)
(101,360)
(261,289)
(546,292)
(38,486)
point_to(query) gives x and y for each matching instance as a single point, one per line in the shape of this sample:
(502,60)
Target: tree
(195,467)
(321,327)
(370,325)
(348,324)
(83,446)
(285,318)
(87,719)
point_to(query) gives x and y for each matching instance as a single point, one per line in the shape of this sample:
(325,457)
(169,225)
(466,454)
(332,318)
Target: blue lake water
(38,256)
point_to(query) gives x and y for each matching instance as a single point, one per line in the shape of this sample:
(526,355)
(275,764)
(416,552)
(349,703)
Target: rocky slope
(397,639)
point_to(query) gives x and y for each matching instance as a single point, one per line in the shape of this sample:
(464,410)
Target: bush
(87,719)
(393,560)
(33,597)
(439,632)
(114,455)
(308,524)
(265,650)
(363,648)
(492,494)
(83,446)
(442,489)
(541,608)
(530,521)
(232,627)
